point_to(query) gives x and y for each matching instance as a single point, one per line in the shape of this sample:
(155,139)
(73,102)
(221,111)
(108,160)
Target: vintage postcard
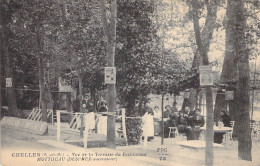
(130,82)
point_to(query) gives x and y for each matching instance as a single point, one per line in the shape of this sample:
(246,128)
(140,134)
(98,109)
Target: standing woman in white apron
(147,121)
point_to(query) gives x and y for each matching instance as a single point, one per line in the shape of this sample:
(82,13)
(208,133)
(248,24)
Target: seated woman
(182,122)
(195,122)
(171,123)
(167,112)
(225,118)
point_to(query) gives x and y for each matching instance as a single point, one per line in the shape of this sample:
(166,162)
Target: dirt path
(15,142)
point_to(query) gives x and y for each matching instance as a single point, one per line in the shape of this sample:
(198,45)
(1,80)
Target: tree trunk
(1,73)
(206,36)
(207,32)
(80,105)
(42,85)
(229,69)
(174,104)
(49,95)
(191,101)
(69,104)
(220,104)
(11,96)
(110,33)
(243,87)
(209,100)
(200,98)
(43,92)
(46,101)
(130,100)
(1,54)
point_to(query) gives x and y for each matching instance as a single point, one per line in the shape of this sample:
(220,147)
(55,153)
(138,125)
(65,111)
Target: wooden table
(221,130)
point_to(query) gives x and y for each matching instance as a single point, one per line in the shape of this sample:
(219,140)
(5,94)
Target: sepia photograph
(130,82)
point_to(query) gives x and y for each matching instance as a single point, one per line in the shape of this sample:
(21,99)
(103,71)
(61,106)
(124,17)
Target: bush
(134,131)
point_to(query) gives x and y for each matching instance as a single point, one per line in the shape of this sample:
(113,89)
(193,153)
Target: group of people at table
(187,122)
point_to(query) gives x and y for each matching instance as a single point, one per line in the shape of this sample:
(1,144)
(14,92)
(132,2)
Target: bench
(30,126)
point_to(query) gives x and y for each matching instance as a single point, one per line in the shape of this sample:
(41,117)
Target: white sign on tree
(229,95)
(8,82)
(64,86)
(110,75)
(206,75)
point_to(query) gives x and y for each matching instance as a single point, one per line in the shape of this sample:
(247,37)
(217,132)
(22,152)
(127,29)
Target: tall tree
(41,11)
(6,11)
(207,31)
(1,53)
(229,75)
(77,45)
(206,37)
(236,75)
(29,25)
(137,53)
(243,87)
(110,33)
(209,100)
(229,69)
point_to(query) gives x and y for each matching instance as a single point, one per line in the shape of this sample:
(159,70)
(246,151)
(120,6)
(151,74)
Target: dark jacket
(226,120)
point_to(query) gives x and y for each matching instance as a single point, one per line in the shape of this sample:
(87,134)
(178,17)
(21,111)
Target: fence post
(145,133)
(124,125)
(52,117)
(145,142)
(58,125)
(85,139)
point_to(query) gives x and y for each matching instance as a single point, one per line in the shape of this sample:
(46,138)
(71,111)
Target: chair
(173,130)
(257,128)
(232,123)
(253,127)
(230,133)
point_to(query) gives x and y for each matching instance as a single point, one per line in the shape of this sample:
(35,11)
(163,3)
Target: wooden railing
(36,114)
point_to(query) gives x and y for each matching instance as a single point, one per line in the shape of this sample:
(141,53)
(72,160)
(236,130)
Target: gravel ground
(16,142)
